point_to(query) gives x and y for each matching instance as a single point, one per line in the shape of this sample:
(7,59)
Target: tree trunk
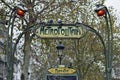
(27,44)
(27,54)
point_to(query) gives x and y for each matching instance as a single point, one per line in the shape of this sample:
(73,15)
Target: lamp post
(102,10)
(60,49)
(9,47)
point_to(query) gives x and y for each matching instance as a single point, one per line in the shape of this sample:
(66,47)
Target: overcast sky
(115,4)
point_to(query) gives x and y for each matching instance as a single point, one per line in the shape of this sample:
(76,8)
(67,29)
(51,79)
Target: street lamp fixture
(20,12)
(102,10)
(60,48)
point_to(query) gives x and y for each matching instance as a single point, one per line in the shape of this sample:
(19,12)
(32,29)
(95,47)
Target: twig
(6,4)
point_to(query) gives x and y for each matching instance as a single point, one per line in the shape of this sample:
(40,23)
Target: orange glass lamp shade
(101,12)
(20,12)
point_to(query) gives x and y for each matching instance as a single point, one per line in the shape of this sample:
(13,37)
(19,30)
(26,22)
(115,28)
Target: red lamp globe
(20,12)
(101,12)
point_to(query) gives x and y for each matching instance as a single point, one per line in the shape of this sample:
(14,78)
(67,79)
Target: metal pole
(109,43)
(60,59)
(109,46)
(108,52)
(60,48)
(111,38)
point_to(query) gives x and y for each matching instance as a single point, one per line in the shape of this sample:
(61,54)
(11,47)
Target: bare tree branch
(46,7)
(7,4)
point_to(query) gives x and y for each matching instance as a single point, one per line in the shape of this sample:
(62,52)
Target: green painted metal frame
(76,75)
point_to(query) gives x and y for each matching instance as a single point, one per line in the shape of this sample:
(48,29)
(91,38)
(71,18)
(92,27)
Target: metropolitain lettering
(60,31)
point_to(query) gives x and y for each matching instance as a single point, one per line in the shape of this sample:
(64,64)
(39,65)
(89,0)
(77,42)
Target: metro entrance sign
(61,70)
(60,31)
(61,73)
